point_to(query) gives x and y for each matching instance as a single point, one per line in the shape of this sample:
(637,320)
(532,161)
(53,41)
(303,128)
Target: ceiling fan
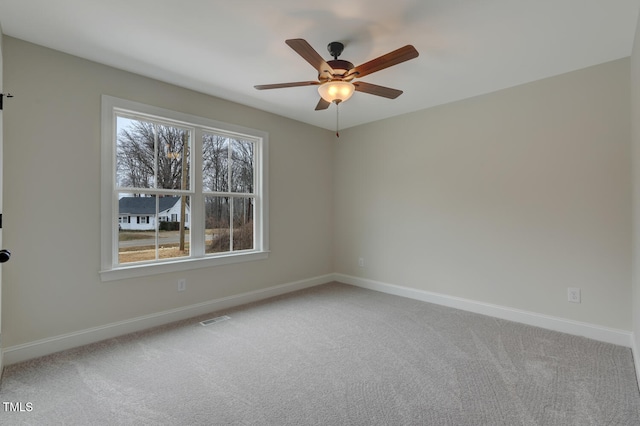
(336,77)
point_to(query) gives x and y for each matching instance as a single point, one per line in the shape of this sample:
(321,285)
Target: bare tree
(215,162)
(215,176)
(228,167)
(242,180)
(150,155)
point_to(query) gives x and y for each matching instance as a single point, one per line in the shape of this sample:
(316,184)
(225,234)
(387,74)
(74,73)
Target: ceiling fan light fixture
(336,91)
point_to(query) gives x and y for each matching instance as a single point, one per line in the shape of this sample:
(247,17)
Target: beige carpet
(331,355)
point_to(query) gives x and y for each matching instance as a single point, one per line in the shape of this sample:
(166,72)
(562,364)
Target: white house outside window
(179,191)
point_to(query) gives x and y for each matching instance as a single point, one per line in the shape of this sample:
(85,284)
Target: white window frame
(110,270)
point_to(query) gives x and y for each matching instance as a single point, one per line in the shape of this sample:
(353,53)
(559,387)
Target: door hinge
(2,96)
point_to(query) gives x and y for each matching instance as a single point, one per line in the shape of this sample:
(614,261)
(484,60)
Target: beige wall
(635,150)
(52,199)
(507,198)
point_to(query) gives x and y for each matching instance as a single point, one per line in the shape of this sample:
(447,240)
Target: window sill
(143,270)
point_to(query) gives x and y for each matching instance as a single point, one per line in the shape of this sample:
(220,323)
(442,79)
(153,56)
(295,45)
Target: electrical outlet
(573,294)
(182,284)
(361,262)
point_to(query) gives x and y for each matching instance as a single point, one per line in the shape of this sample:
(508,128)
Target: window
(196,188)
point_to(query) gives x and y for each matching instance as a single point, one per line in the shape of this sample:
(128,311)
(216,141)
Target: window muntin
(158,154)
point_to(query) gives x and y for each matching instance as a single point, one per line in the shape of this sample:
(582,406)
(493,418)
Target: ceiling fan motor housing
(340,70)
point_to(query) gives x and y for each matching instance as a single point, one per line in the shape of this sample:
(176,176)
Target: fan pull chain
(337,119)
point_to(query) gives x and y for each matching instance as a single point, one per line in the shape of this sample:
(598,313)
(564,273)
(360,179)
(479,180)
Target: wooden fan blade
(385,61)
(322,104)
(309,54)
(283,85)
(374,89)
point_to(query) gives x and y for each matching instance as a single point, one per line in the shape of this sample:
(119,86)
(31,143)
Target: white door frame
(1,159)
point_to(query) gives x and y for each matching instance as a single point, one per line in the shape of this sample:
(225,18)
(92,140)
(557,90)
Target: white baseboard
(38,348)
(591,331)
(636,356)
(23,352)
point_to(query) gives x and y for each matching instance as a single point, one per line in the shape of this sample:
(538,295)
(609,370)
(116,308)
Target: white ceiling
(224,48)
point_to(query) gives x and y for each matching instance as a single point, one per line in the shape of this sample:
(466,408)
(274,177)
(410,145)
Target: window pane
(141,237)
(173,158)
(215,163)
(242,166)
(151,155)
(217,224)
(242,223)
(134,154)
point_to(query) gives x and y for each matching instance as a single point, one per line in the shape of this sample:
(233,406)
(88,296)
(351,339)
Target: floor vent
(215,320)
